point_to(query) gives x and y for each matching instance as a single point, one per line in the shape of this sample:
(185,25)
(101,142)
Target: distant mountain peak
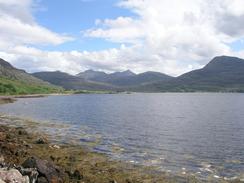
(129,72)
(224,57)
(91,74)
(123,73)
(224,61)
(92,71)
(89,70)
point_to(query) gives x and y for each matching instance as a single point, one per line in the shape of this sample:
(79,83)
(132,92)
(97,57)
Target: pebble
(216,176)
(1,159)
(56,146)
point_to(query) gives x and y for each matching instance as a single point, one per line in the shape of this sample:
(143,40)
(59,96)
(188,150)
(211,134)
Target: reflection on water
(184,133)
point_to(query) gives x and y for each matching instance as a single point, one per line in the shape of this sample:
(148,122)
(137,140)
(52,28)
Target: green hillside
(15,87)
(14,81)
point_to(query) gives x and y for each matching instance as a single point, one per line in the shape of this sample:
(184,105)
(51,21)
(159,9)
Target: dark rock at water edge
(46,169)
(41,140)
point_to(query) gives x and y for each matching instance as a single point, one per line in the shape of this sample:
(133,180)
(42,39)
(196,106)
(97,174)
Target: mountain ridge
(221,74)
(124,78)
(70,82)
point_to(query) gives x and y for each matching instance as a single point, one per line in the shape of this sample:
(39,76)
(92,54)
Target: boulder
(45,169)
(30,172)
(12,176)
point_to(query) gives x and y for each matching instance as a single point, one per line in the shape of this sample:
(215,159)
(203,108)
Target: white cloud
(13,31)
(122,29)
(17,26)
(16,8)
(170,36)
(175,36)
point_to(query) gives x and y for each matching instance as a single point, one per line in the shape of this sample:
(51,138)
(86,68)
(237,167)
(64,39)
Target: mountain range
(123,79)
(70,82)
(97,80)
(221,74)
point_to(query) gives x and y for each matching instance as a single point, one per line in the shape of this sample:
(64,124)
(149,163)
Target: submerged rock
(45,169)
(41,140)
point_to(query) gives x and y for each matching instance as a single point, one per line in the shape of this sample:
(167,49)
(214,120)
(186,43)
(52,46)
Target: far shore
(4,99)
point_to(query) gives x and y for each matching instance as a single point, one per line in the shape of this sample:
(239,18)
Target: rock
(27,145)
(20,152)
(46,169)
(41,140)
(52,158)
(77,175)
(30,172)
(2,136)
(113,181)
(22,132)
(42,180)
(1,159)
(128,181)
(13,176)
(56,147)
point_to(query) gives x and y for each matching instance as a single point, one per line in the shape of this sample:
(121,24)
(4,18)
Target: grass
(15,87)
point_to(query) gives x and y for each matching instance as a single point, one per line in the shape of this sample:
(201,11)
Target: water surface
(193,133)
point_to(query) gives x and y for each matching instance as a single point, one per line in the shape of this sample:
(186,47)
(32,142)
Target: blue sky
(72,17)
(237,45)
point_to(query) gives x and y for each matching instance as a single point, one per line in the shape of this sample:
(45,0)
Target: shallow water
(195,133)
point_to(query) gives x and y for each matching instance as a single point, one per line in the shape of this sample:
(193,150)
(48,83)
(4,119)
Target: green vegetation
(14,81)
(15,87)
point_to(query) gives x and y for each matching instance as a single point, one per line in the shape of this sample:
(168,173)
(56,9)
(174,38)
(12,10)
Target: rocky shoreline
(26,157)
(4,100)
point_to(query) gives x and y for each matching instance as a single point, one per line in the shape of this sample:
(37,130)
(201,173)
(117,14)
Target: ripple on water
(183,129)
